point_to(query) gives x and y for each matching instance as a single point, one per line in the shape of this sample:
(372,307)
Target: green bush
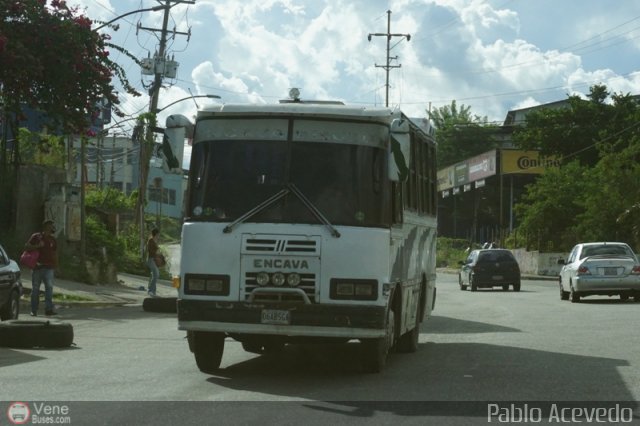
(101,243)
(450,251)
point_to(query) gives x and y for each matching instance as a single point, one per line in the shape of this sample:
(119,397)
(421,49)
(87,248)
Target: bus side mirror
(399,151)
(178,127)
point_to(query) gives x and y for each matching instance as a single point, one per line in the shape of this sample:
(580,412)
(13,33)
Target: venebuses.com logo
(18,413)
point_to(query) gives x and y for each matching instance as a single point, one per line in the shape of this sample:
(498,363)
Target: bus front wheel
(375,351)
(207,347)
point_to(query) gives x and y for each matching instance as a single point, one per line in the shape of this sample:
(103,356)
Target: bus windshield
(344,182)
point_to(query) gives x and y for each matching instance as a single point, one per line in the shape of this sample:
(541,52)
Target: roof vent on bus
(294,94)
(294,98)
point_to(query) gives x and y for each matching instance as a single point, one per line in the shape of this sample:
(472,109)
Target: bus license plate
(276,316)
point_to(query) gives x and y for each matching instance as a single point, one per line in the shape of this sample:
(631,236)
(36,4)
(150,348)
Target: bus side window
(397,201)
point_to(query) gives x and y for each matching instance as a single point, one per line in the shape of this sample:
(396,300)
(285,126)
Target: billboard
(465,172)
(525,162)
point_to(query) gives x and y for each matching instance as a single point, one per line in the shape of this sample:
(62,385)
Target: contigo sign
(526,162)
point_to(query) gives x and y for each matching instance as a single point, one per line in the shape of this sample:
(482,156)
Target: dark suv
(10,287)
(489,268)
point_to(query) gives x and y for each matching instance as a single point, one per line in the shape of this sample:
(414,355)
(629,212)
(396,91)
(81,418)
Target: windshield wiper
(313,209)
(263,205)
(274,198)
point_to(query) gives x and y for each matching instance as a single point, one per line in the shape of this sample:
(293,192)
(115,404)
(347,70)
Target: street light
(148,9)
(158,110)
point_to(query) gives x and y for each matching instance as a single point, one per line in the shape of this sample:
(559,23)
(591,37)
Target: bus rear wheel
(207,347)
(375,351)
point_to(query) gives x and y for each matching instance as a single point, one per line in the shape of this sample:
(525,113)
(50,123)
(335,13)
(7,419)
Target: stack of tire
(35,334)
(160,304)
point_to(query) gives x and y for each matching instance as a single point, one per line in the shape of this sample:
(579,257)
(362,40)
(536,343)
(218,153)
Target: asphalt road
(486,346)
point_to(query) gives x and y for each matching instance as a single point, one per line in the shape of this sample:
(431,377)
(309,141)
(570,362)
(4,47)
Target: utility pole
(388,66)
(159,62)
(159,67)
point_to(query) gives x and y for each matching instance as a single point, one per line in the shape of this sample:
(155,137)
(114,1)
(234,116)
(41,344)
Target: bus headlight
(344,290)
(278,279)
(206,285)
(293,279)
(262,279)
(196,284)
(353,289)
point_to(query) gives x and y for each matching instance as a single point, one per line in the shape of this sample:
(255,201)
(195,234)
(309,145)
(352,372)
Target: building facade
(114,162)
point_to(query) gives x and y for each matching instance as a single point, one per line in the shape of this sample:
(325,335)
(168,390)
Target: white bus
(307,220)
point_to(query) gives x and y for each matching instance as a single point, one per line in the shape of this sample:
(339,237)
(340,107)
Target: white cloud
(491,57)
(526,103)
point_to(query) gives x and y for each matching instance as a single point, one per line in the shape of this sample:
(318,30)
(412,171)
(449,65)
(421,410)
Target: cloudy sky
(492,55)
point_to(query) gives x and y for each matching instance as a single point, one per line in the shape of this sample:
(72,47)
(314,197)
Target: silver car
(605,268)
(10,287)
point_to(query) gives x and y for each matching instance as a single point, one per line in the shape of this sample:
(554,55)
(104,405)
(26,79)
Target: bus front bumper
(304,320)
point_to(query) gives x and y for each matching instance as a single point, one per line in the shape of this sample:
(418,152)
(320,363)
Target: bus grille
(284,245)
(307,284)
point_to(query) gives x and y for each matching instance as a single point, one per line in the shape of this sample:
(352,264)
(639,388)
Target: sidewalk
(130,290)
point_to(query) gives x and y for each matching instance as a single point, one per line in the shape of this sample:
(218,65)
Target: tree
(593,195)
(573,131)
(614,188)
(42,149)
(460,134)
(631,217)
(51,60)
(548,209)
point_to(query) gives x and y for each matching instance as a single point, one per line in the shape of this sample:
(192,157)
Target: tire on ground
(160,304)
(34,333)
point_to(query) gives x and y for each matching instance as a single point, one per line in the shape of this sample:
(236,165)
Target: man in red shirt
(45,242)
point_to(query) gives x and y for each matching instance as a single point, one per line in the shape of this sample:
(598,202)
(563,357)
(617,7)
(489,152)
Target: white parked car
(605,268)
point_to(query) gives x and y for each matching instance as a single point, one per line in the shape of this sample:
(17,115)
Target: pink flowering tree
(51,60)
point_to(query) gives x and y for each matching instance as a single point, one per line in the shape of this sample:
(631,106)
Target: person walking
(152,252)
(44,242)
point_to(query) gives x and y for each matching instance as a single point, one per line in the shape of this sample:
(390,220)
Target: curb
(25,304)
(25,301)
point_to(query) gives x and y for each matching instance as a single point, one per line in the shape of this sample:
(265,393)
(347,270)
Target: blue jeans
(39,276)
(155,273)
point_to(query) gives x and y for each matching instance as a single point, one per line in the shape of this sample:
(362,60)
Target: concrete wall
(32,192)
(534,262)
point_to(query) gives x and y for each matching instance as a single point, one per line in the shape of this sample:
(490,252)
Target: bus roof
(302,108)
